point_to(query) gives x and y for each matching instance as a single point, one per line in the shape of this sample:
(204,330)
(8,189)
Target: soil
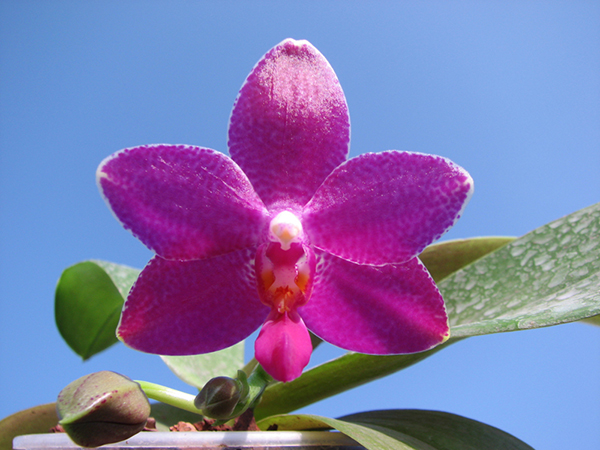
(245,422)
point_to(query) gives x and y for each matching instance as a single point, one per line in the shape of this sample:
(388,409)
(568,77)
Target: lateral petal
(192,307)
(289,127)
(392,309)
(381,208)
(183,202)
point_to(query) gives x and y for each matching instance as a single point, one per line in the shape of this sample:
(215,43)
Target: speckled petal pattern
(192,307)
(386,207)
(183,202)
(290,126)
(392,309)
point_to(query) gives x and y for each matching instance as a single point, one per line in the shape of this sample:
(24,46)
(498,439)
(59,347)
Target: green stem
(258,382)
(249,368)
(169,396)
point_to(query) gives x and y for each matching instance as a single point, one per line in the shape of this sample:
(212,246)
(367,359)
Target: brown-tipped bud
(219,397)
(102,408)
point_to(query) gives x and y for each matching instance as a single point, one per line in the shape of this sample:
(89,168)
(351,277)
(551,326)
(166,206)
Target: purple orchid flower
(286,233)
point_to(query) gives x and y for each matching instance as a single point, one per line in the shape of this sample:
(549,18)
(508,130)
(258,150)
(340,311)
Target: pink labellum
(283,346)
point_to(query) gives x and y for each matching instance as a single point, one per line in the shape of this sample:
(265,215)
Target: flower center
(284,276)
(285,228)
(285,266)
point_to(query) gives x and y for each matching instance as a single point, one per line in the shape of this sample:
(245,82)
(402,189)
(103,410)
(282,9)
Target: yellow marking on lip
(268,278)
(302,281)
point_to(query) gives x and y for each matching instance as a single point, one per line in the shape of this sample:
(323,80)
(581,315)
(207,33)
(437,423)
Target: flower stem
(169,396)
(256,382)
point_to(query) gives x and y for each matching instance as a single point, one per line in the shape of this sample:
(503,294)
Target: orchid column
(286,233)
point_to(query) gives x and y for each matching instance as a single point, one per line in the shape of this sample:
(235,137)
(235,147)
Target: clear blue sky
(508,90)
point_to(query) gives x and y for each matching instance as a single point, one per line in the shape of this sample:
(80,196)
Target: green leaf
(547,277)
(445,258)
(406,429)
(595,320)
(368,437)
(441,430)
(196,370)
(38,419)
(88,302)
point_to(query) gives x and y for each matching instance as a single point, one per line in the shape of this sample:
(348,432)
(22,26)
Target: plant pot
(205,440)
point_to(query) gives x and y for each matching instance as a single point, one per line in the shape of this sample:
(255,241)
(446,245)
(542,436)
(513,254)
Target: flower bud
(102,408)
(219,397)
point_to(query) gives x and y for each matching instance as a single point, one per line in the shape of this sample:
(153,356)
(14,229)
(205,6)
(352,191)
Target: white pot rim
(197,440)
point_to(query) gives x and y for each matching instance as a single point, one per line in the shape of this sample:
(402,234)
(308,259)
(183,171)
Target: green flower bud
(102,408)
(219,397)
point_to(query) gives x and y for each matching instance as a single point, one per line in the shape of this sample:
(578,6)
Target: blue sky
(508,90)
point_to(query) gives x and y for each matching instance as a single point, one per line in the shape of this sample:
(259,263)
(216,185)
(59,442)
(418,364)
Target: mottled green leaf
(547,277)
(406,429)
(122,276)
(39,419)
(196,370)
(88,301)
(445,258)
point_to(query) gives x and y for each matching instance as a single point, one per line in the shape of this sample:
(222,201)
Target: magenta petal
(283,346)
(391,309)
(183,202)
(386,207)
(290,126)
(192,307)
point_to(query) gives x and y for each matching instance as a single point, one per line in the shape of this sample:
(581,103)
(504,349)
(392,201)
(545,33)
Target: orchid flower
(287,233)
